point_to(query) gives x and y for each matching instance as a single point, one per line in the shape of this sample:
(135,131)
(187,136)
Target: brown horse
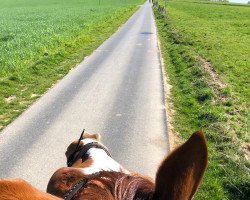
(19,189)
(92,175)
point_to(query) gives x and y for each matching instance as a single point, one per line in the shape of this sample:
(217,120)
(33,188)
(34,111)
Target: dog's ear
(179,175)
(96,136)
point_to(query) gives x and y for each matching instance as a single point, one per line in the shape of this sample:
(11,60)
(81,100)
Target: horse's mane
(117,186)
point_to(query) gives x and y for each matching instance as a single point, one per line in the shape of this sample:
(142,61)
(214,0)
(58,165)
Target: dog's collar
(83,150)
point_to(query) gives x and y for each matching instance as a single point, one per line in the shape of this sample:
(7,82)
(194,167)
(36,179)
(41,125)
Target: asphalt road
(116,91)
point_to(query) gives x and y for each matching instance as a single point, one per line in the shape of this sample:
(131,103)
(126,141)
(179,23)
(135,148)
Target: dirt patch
(34,95)
(211,71)
(174,139)
(173,136)
(246,149)
(215,80)
(10,99)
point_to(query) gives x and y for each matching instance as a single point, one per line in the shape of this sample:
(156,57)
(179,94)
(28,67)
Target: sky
(239,1)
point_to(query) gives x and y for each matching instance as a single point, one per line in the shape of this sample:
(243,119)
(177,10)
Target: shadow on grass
(240,191)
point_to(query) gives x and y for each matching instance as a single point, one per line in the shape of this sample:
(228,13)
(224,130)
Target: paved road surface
(117,91)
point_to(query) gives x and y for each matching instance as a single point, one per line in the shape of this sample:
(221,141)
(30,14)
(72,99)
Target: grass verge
(42,41)
(202,100)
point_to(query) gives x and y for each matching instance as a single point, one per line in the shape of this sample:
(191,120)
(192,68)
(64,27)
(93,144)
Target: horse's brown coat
(19,189)
(180,173)
(107,185)
(178,178)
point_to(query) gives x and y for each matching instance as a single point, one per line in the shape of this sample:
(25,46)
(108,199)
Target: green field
(40,41)
(206,49)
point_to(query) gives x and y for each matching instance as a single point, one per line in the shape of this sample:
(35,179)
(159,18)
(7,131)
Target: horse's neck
(104,185)
(119,186)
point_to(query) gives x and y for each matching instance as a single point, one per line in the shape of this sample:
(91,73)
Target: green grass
(219,34)
(40,41)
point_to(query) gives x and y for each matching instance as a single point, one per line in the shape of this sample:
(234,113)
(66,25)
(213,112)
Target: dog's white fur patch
(102,162)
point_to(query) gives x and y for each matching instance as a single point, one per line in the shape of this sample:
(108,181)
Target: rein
(81,184)
(71,160)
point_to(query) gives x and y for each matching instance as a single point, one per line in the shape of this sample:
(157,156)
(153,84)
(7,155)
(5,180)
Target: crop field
(206,49)
(40,41)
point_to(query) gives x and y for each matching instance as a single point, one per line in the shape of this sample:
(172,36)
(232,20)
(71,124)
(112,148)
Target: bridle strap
(75,189)
(83,150)
(81,184)
(71,157)
(91,145)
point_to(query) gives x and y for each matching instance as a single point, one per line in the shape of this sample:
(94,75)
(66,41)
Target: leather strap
(76,188)
(83,150)
(81,184)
